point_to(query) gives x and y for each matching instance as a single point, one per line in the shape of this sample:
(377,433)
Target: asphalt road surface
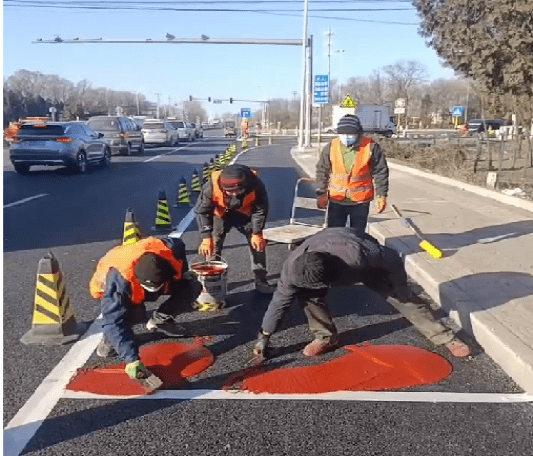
(79,218)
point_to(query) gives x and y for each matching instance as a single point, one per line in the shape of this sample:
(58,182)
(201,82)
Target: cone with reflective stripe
(244,144)
(53,320)
(228,156)
(211,166)
(183,194)
(163,220)
(131,229)
(233,149)
(206,174)
(218,165)
(195,181)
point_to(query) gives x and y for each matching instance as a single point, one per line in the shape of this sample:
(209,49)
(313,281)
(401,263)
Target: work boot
(105,349)
(318,347)
(263,287)
(137,371)
(167,326)
(458,349)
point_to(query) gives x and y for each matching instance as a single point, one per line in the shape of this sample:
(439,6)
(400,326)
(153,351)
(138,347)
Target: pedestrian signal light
(208,98)
(190,97)
(231,100)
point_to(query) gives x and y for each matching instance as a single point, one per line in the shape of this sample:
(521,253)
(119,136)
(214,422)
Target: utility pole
(304,74)
(309,94)
(158,104)
(138,110)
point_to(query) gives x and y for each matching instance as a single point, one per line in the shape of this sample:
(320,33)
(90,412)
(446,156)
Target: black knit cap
(313,270)
(349,125)
(233,177)
(152,270)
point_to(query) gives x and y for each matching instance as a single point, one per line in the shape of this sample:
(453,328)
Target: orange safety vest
(248,202)
(124,258)
(357,184)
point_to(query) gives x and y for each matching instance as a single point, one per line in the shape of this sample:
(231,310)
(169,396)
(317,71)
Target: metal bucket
(213,277)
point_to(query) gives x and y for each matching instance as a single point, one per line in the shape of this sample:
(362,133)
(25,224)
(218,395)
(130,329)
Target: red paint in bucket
(364,368)
(206,269)
(173,363)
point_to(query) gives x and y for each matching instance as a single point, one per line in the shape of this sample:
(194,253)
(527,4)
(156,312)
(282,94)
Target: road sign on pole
(458,111)
(321,92)
(246,113)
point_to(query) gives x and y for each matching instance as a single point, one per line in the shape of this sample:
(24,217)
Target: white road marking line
(25,200)
(361,396)
(166,153)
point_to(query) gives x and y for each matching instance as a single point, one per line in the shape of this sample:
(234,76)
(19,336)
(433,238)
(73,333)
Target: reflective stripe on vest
(357,185)
(124,258)
(219,204)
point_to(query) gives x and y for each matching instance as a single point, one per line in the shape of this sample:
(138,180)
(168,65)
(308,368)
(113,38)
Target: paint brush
(424,244)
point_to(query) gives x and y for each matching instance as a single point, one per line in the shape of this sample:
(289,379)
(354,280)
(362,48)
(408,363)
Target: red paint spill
(171,362)
(366,368)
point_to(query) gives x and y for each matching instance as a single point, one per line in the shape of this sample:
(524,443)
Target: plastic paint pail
(213,277)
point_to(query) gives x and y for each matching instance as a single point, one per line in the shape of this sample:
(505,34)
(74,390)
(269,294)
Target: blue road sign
(458,111)
(321,92)
(246,113)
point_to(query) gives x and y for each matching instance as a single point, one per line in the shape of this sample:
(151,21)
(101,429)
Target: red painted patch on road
(172,363)
(364,368)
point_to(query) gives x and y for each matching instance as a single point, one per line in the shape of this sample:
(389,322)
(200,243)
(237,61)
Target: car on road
(160,132)
(70,144)
(198,130)
(185,131)
(123,134)
(229,129)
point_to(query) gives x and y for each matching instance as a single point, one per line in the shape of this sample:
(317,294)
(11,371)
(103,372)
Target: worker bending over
(235,197)
(128,276)
(340,257)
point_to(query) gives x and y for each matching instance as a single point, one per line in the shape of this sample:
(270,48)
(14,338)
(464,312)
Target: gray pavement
(485,278)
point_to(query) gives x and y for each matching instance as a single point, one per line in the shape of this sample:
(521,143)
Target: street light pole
(304,74)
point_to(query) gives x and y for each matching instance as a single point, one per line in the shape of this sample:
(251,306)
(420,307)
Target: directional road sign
(321,93)
(246,113)
(458,111)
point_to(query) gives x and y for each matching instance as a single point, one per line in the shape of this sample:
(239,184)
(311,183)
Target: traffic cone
(244,144)
(131,229)
(183,194)
(163,221)
(53,320)
(228,155)
(233,149)
(211,166)
(218,163)
(205,173)
(195,181)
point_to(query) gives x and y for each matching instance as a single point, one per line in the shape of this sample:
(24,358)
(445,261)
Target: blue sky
(244,72)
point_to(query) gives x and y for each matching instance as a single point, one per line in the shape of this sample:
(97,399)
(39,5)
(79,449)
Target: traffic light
(208,98)
(231,100)
(190,97)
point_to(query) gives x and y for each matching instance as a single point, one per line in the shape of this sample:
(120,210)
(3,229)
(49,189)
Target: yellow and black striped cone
(183,194)
(233,149)
(53,320)
(227,156)
(195,181)
(244,144)
(163,220)
(211,166)
(218,163)
(131,229)
(206,174)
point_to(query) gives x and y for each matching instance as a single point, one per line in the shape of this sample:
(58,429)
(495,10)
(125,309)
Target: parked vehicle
(198,130)
(229,129)
(123,134)
(185,131)
(160,132)
(476,125)
(375,119)
(70,144)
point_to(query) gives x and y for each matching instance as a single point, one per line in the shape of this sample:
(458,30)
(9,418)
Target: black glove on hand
(261,345)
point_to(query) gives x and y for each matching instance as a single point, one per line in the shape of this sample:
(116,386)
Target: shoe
(264,287)
(137,371)
(318,347)
(105,349)
(458,349)
(170,328)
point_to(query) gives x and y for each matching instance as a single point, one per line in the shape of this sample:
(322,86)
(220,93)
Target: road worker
(341,257)
(350,171)
(130,275)
(235,197)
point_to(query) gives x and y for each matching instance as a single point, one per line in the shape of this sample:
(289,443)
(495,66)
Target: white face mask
(152,289)
(348,140)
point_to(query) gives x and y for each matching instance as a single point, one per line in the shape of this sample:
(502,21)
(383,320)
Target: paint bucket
(213,277)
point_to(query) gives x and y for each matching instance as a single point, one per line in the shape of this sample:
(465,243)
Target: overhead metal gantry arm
(207,40)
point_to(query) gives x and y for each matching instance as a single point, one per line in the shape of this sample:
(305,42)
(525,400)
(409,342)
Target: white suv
(185,132)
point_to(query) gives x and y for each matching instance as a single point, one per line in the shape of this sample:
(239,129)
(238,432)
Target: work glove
(381,204)
(207,247)
(258,242)
(322,201)
(261,347)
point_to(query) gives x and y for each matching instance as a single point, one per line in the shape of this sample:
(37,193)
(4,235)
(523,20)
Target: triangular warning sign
(348,102)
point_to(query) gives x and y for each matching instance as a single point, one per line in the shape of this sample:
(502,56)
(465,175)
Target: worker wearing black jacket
(340,257)
(235,197)
(351,171)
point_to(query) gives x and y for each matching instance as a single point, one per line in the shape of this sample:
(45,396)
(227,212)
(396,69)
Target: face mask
(152,289)
(348,140)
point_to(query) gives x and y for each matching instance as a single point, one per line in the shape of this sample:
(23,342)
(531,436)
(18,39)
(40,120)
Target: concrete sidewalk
(485,278)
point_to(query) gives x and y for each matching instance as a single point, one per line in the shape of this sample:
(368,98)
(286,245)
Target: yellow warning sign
(348,102)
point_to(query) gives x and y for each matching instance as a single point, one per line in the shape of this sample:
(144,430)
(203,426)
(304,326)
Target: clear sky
(366,40)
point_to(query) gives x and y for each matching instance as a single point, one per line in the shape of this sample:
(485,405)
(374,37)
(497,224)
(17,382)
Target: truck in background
(376,119)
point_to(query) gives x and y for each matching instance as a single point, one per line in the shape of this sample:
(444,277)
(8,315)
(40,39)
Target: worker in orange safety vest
(350,173)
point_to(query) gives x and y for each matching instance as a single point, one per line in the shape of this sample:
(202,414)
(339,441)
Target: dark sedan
(70,144)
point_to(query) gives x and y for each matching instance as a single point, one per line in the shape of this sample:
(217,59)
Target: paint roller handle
(431,249)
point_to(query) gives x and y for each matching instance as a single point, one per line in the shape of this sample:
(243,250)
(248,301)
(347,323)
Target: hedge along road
(268,426)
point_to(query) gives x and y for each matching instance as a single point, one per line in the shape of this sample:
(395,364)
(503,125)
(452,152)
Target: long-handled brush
(424,244)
